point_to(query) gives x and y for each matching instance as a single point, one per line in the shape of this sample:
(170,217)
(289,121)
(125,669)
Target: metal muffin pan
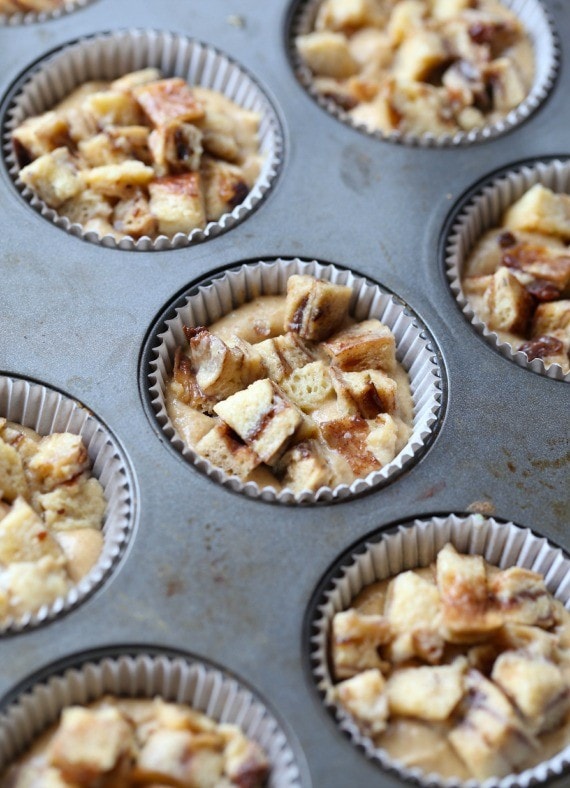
(209,572)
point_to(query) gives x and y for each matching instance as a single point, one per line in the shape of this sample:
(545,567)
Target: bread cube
(244,760)
(367,393)
(347,15)
(347,436)
(314,307)
(420,53)
(38,136)
(12,477)
(406,19)
(168,100)
(132,216)
(115,108)
(59,458)
(119,180)
(412,603)
(550,318)
(81,548)
(490,740)
(536,686)
(447,9)
(23,536)
(507,84)
(132,141)
(306,467)
(369,48)
(364,696)
(172,757)
(522,597)
(135,79)
(263,417)
(78,504)
(221,369)
(224,187)
(176,148)
(541,210)
(356,639)
(89,743)
(508,302)
(367,345)
(98,151)
(177,202)
(85,206)
(54,177)
(308,386)
(283,354)
(32,584)
(327,54)
(382,440)
(185,387)
(223,449)
(427,693)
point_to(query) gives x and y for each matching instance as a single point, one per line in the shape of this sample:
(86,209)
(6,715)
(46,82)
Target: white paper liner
(413,350)
(416,544)
(540,28)
(110,55)
(31,18)
(482,213)
(175,679)
(48,411)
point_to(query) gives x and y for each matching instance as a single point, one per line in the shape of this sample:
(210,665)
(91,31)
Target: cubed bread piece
(76,98)
(60,457)
(532,640)
(188,422)
(132,216)
(113,107)
(86,206)
(89,743)
(263,417)
(378,114)
(446,9)
(32,584)
(81,548)
(406,19)
(367,345)
(356,639)
(176,148)
(78,504)
(413,610)
(522,597)
(315,308)
(245,763)
(508,302)
(368,47)
(420,53)
(419,107)
(283,354)
(133,141)
(428,693)
(506,82)
(541,210)
(467,606)
(119,180)
(305,467)
(542,261)
(346,15)
(348,436)
(327,54)
(54,177)
(364,696)
(23,536)
(490,740)
(135,79)
(184,386)
(224,187)
(37,136)
(221,369)
(219,132)
(536,686)
(12,477)
(308,386)
(551,317)
(177,202)
(223,449)
(168,100)
(99,151)
(367,393)
(173,757)
(382,440)
(82,126)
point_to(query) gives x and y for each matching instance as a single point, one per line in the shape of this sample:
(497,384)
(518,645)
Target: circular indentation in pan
(140,672)
(24,17)
(537,22)
(208,300)
(46,411)
(482,210)
(411,545)
(107,56)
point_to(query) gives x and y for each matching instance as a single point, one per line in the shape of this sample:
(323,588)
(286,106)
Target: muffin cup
(48,411)
(141,675)
(540,28)
(409,546)
(483,212)
(110,55)
(31,18)
(414,349)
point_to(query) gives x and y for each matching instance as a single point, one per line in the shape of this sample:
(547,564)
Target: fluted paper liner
(539,26)
(46,411)
(416,544)
(111,55)
(30,17)
(205,688)
(482,213)
(414,350)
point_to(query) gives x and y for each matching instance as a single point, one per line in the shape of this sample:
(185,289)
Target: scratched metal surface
(208,571)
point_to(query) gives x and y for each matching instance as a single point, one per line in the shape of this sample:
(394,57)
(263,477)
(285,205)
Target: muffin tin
(213,574)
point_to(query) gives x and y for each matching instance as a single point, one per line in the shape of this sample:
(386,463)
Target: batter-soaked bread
(51,516)
(461,668)
(10,7)
(288,391)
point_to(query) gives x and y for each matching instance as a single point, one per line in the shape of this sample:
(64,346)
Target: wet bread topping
(11,7)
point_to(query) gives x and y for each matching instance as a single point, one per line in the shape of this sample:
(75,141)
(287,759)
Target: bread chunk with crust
(59,458)
(223,449)
(177,202)
(168,100)
(54,177)
(356,639)
(510,305)
(39,135)
(327,54)
(24,537)
(221,369)
(522,597)
(306,467)
(283,354)
(364,696)
(541,210)
(348,436)
(225,187)
(427,693)
(551,318)
(315,308)
(367,345)
(308,386)
(365,393)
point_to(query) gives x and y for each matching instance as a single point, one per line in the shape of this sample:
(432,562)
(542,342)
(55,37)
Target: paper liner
(414,349)
(110,55)
(30,17)
(483,212)
(540,28)
(175,679)
(415,544)
(47,411)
